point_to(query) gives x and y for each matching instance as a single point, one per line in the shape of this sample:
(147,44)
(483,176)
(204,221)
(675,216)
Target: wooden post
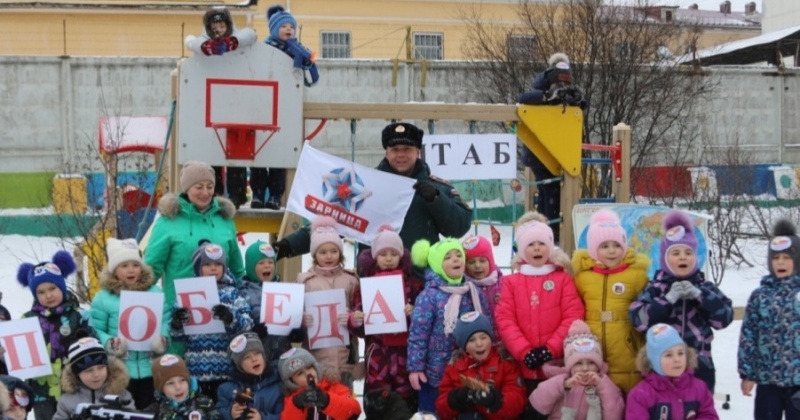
(622,136)
(288,268)
(570,194)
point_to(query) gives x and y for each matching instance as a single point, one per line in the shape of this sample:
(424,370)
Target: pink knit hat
(478,246)
(323,230)
(605,226)
(533,231)
(581,344)
(387,238)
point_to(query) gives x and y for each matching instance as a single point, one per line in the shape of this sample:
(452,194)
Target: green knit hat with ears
(424,254)
(256,252)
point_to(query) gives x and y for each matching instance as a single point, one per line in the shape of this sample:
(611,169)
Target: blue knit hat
(47,272)
(469,324)
(276,17)
(660,338)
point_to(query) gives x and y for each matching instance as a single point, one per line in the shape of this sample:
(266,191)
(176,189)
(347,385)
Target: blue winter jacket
(266,389)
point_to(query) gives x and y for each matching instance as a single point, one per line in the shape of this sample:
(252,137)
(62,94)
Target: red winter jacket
(342,405)
(505,374)
(537,310)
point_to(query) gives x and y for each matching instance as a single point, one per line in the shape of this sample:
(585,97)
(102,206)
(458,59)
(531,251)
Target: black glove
(179,318)
(260,330)
(282,249)
(311,397)
(426,190)
(537,357)
(458,399)
(222,313)
(491,399)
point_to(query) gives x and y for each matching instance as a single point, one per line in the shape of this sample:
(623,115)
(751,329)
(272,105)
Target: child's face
(681,260)
(94,377)
(478,267)
(673,361)
(253,363)
(265,269)
(214,269)
(128,272)
(49,295)
(537,254)
(782,265)
(454,264)
(327,255)
(219,29)
(176,388)
(388,259)
(479,345)
(610,254)
(584,365)
(300,378)
(286,31)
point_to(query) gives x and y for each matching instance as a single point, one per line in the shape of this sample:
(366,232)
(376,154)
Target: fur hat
(218,14)
(470,323)
(193,172)
(424,254)
(256,252)
(167,367)
(47,272)
(678,231)
(206,253)
(581,344)
(243,344)
(324,230)
(122,250)
(401,133)
(85,353)
(387,238)
(478,246)
(293,360)
(532,227)
(660,338)
(605,226)
(784,241)
(276,17)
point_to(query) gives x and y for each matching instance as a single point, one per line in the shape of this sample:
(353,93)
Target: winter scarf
(51,320)
(454,302)
(487,281)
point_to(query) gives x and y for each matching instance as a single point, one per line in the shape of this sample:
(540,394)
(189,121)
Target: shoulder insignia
(440,180)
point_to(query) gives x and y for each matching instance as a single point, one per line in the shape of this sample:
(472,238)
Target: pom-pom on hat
(387,238)
(401,134)
(784,241)
(276,17)
(678,231)
(581,344)
(424,254)
(122,250)
(477,246)
(324,230)
(167,367)
(47,272)
(660,338)
(293,360)
(605,226)
(256,252)
(532,227)
(85,353)
(207,253)
(243,344)
(193,172)
(470,323)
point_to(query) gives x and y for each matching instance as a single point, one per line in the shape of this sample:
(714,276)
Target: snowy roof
(748,51)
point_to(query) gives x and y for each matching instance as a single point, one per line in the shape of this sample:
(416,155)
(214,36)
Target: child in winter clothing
(282,35)
(768,349)
(221,35)
(61,320)
(580,389)
(680,296)
(668,389)
(177,394)
(251,371)
(207,354)
(609,277)
(386,354)
(438,306)
(89,376)
(538,303)
(19,396)
(328,273)
(309,394)
(126,271)
(482,270)
(479,359)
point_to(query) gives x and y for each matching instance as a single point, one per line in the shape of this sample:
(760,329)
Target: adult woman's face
(201,194)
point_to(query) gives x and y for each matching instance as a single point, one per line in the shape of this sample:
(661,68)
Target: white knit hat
(122,250)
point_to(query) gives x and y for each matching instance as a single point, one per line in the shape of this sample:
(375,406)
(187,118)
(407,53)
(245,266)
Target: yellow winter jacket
(607,294)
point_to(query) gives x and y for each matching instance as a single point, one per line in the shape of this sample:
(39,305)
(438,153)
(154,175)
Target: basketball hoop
(240,139)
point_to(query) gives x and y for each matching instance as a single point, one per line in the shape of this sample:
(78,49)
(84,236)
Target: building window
(625,50)
(522,48)
(428,46)
(335,44)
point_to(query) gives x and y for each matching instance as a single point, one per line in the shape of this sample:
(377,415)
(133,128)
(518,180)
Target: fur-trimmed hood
(5,397)
(170,205)
(498,346)
(558,257)
(582,261)
(115,286)
(116,383)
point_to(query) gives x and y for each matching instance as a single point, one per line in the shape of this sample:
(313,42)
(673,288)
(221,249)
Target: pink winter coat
(659,397)
(551,398)
(537,310)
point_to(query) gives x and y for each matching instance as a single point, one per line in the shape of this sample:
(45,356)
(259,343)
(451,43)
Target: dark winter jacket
(168,409)
(266,391)
(301,55)
(274,345)
(74,392)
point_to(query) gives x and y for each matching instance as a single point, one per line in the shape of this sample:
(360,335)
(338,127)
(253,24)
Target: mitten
(260,330)
(537,357)
(458,399)
(179,318)
(690,290)
(321,397)
(426,190)
(208,47)
(491,399)
(231,43)
(675,292)
(282,249)
(222,313)
(159,345)
(117,346)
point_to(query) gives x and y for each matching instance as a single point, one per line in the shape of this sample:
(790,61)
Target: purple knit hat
(678,231)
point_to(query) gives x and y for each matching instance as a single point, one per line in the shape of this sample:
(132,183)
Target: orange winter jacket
(342,405)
